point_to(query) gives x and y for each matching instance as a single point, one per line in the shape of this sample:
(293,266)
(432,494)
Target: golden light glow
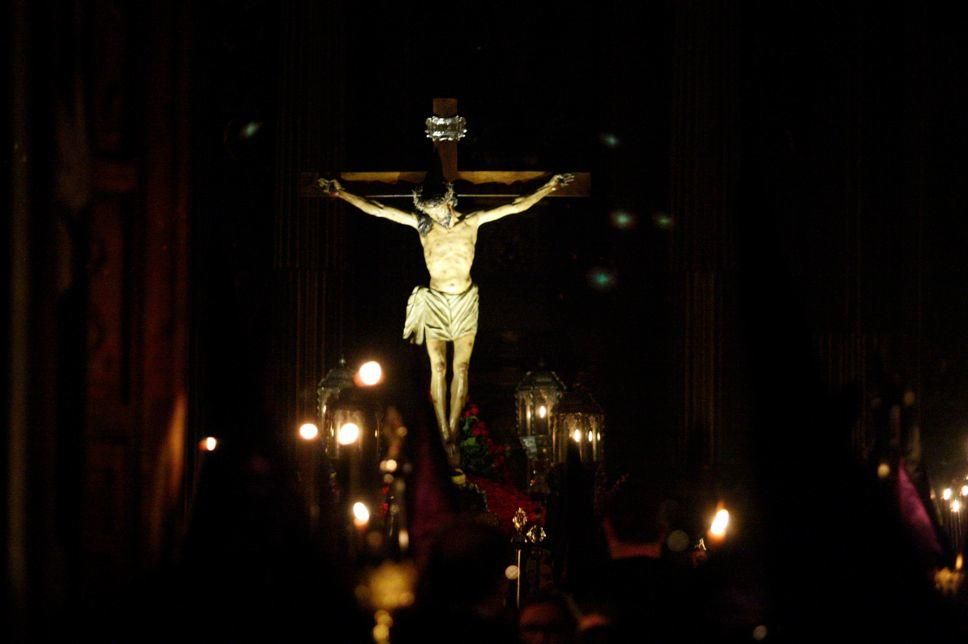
(308,431)
(371,373)
(883,470)
(348,434)
(946,494)
(948,581)
(403,539)
(208,444)
(511,572)
(361,514)
(719,525)
(388,587)
(576,436)
(542,411)
(389,465)
(383,617)
(959,562)
(964,490)
(956,506)
(760,633)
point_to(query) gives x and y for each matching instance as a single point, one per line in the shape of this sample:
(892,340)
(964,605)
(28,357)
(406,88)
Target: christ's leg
(463,346)
(437,350)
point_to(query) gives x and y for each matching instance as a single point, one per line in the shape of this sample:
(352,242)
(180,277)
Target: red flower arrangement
(485,463)
(503,500)
(479,453)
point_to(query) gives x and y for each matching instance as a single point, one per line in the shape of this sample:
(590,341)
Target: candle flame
(371,373)
(348,434)
(361,514)
(308,431)
(720,523)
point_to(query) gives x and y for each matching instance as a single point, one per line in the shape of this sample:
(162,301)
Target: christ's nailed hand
(330,186)
(562,180)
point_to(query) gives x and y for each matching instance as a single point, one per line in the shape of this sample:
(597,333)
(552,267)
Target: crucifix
(446,311)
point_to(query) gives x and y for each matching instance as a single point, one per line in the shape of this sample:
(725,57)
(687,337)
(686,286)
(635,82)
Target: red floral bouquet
(485,463)
(503,500)
(479,453)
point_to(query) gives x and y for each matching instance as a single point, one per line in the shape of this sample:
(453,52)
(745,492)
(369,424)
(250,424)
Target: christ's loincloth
(440,316)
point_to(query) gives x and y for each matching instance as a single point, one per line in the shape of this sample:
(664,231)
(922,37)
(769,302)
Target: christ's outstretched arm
(523,203)
(369,206)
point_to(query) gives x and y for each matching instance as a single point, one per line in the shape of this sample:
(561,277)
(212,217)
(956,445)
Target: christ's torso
(449,253)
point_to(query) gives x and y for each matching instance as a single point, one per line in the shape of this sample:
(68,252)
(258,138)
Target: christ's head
(437,201)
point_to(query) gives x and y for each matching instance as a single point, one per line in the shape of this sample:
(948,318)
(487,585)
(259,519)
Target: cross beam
(479,183)
(467,183)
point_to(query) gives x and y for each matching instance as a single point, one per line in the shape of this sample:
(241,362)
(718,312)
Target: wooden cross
(467,183)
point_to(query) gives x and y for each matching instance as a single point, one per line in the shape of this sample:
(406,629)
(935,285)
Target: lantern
(580,421)
(538,394)
(327,393)
(355,424)
(356,445)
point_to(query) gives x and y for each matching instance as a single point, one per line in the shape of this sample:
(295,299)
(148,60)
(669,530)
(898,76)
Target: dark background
(795,172)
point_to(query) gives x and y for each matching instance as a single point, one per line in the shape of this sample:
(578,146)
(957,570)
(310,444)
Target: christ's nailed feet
(453,454)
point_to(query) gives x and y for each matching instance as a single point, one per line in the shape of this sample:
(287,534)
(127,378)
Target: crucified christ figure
(446,311)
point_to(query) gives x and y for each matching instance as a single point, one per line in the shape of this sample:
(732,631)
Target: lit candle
(719,525)
(361,515)
(370,373)
(308,431)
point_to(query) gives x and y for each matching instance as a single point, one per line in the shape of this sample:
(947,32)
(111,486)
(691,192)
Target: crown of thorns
(433,200)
